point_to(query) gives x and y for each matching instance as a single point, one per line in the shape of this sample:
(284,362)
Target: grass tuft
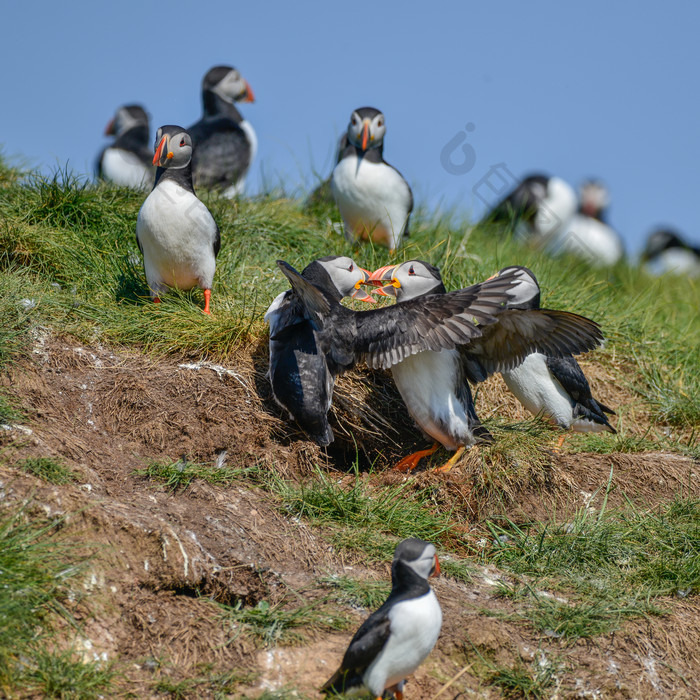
(180,474)
(48,469)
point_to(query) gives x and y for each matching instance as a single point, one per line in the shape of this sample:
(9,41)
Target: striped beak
(359,293)
(162,153)
(384,274)
(436,568)
(249,96)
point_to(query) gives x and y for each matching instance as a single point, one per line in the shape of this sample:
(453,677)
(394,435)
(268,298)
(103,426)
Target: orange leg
(409,463)
(394,689)
(207,298)
(156,300)
(452,460)
(560,443)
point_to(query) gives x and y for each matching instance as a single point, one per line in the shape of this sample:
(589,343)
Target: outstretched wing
(519,332)
(436,322)
(311,298)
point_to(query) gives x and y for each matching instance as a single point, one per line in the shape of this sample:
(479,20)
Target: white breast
(177,234)
(373,199)
(590,239)
(534,386)
(426,382)
(126,169)
(415,628)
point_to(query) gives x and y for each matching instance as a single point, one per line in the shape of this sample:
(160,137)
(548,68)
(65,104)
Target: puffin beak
(249,96)
(365,134)
(159,157)
(382,275)
(491,278)
(360,294)
(109,129)
(436,570)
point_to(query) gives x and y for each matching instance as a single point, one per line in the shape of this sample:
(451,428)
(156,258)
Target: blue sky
(587,89)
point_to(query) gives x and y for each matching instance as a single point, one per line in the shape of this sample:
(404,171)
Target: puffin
(435,384)
(539,207)
(587,235)
(386,336)
(127,161)
(175,231)
(667,252)
(225,143)
(395,639)
(299,376)
(374,199)
(553,387)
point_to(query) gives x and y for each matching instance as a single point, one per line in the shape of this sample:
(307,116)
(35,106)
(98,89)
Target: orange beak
(365,135)
(360,294)
(491,278)
(158,156)
(109,129)
(381,275)
(436,572)
(249,95)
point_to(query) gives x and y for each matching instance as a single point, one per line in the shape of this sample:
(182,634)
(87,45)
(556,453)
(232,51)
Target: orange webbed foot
(410,462)
(447,466)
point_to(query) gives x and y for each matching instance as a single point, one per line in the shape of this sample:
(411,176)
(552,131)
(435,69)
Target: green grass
(180,474)
(356,592)
(220,685)
(287,622)
(54,471)
(36,570)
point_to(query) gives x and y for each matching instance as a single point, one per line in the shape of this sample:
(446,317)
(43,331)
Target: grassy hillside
(70,268)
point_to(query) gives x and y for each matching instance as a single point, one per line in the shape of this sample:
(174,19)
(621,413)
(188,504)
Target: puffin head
(173,147)
(228,84)
(659,240)
(366,128)
(525,293)
(408,280)
(344,274)
(595,198)
(418,555)
(126,118)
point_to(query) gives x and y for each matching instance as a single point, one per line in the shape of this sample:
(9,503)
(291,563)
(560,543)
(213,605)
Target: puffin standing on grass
(374,199)
(225,143)
(387,336)
(553,387)
(301,380)
(175,232)
(666,252)
(127,161)
(397,638)
(434,384)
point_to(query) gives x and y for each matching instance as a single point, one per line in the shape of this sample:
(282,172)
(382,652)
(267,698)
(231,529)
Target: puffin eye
(380,122)
(182,143)
(351,268)
(411,271)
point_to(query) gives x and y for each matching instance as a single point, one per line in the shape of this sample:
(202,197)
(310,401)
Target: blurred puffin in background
(667,252)
(127,160)
(225,143)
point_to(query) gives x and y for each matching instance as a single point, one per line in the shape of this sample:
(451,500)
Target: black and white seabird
(374,199)
(434,385)
(667,252)
(175,232)
(384,337)
(127,161)
(225,143)
(552,387)
(301,380)
(538,208)
(587,235)
(394,640)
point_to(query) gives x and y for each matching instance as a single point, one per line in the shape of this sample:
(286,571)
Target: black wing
(312,299)
(217,240)
(436,322)
(519,332)
(368,641)
(572,379)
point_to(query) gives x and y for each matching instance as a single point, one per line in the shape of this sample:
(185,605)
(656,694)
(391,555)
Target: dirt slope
(107,413)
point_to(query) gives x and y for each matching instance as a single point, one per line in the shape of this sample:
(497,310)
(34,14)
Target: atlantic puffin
(175,232)
(553,387)
(386,336)
(586,234)
(435,385)
(301,380)
(395,639)
(667,252)
(538,207)
(127,160)
(225,143)
(374,199)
